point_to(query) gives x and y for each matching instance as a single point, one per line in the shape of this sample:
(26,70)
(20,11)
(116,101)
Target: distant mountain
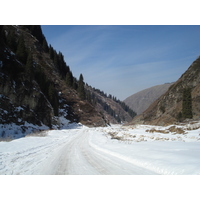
(38,90)
(113,110)
(181,101)
(140,101)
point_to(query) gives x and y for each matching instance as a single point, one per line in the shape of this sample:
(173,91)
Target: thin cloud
(114,58)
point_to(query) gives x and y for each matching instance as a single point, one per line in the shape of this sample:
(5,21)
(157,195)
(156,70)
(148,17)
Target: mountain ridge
(37,86)
(141,100)
(181,102)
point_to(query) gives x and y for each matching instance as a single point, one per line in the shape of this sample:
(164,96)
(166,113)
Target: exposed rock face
(39,97)
(20,104)
(167,108)
(37,87)
(140,101)
(21,99)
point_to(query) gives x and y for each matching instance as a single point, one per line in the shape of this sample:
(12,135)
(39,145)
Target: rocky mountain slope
(113,110)
(181,102)
(37,87)
(140,101)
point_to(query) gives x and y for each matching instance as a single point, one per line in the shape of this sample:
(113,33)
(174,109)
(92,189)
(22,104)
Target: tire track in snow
(140,168)
(79,156)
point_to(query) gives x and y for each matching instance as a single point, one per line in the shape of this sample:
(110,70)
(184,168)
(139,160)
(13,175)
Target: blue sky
(122,60)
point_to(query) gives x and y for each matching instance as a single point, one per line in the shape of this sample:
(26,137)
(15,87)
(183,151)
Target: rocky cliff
(33,92)
(37,88)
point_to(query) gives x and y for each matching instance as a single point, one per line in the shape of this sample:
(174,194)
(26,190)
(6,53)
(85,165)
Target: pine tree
(45,45)
(69,79)
(51,52)
(75,85)
(88,96)
(81,88)
(56,59)
(187,104)
(37,32)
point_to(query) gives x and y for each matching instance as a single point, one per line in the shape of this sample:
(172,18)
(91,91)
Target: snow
(19,108)
(160,156)
(13,131)
(81,150)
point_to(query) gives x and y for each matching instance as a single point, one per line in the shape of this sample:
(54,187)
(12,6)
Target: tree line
(94,99)
(186,112)
(35,72)
(121,103)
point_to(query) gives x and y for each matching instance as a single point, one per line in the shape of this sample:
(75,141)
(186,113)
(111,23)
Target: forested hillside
(38,88)
(112,108)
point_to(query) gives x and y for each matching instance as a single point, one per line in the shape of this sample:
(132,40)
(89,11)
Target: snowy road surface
(78,157)
(86,151)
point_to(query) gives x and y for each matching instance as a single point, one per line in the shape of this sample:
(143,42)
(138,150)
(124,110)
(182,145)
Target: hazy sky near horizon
(122,60)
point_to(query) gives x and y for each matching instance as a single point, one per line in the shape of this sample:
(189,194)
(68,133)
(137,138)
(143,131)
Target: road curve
(79,157)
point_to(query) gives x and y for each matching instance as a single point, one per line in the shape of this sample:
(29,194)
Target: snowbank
(156,152)
(162,153)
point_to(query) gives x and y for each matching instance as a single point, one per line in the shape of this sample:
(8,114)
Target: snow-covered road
(79,156)
(86,151)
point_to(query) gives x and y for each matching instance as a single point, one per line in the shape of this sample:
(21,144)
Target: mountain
(181,101)
(37,87)
(113,110)
(140,101)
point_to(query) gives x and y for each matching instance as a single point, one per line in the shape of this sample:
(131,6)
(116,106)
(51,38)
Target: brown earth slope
(140,101)
(168,108)
(38,88)
(41,96)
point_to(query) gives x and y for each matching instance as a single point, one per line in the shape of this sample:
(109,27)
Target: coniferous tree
(55,59)
(69,79)
(75,83)
(60,63)
(88,96)
(45,45)
(51,52)
(81,88)
(187,104)
(37,32)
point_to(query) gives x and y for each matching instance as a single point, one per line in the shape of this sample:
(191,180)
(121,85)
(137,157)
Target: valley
(54,123)
(112,150)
